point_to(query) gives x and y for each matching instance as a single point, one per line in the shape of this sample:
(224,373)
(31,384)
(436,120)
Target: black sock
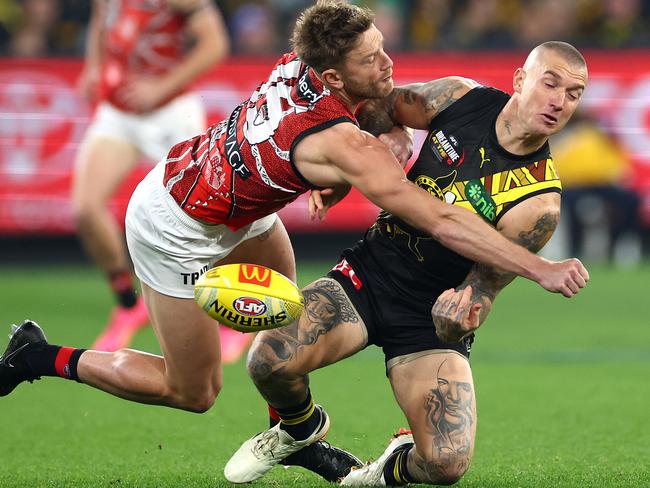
(122,285)
(50,360)
(302,420)
(396,469)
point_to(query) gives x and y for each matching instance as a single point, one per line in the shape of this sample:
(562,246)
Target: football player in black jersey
(486,151)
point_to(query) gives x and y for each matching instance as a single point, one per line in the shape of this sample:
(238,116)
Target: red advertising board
(42,120)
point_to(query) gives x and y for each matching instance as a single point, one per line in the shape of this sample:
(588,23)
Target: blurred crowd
(58,27)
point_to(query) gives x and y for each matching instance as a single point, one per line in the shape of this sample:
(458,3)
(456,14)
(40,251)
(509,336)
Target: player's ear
(518,79)
(333,78)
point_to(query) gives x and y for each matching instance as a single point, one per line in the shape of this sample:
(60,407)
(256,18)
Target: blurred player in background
(486,151)
(213,201)
(141,57)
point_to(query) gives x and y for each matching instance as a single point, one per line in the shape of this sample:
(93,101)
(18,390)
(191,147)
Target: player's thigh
(270,246)
(106,155)
(435,389)
(102,164)
(189,341)
(328,330)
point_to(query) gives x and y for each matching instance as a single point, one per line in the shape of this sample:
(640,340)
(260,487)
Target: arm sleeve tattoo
(487,282)
(425,99)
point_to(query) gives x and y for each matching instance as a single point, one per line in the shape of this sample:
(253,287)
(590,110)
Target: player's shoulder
(461,83)
(476,101)
(485,95)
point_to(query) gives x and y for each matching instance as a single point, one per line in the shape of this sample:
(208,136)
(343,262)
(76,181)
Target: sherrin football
(248,297)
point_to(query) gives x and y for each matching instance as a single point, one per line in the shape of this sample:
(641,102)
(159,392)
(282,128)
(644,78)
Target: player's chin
(388,84)
(384,87)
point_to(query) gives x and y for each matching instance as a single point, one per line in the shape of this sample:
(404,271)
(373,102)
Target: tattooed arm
(413,105)
(530,224)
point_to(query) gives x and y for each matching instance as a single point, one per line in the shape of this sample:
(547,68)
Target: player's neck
(349,101)
(341,94)
(512,136)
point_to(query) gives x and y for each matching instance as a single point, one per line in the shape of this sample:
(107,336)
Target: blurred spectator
(621,23)
(427,22)
(541,20)
(35,36)
(601,213)
(389,20)
(480,24)
(252,28)
(10,18)
(56,27)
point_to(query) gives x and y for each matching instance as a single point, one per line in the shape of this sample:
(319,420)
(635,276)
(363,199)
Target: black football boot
(325,460)
(13,367)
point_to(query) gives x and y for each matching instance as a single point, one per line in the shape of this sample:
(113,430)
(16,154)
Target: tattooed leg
(436,393)
(328,330)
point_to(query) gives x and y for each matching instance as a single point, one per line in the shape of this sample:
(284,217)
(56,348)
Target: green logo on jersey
(481,200)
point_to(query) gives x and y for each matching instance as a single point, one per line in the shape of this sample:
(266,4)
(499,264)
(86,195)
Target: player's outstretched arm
(413,105)
(529,224)
(343,153)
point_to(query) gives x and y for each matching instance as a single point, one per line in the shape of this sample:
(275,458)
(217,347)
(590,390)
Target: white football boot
(260,453)
(372,474)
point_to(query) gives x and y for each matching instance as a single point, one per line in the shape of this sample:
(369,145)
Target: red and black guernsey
(142,37)
(242,169)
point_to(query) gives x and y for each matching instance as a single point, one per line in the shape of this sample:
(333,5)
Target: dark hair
(327,31)
(566,50)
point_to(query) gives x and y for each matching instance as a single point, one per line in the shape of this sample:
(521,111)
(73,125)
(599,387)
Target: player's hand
(88,82)
(566,277)
(320,201)
(143,93)
(454,314)
(400,142)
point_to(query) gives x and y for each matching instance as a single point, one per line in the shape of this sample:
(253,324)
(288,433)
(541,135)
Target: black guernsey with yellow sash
(402,269)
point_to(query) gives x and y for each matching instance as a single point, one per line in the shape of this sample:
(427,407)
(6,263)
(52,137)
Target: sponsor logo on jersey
(483,153)
(346,270)
(306,89)
(233,148)
(250,306)
(447,149)
(256,275)
(481,200)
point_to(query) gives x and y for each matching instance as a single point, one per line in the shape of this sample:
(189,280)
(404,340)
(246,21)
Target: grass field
(563,396)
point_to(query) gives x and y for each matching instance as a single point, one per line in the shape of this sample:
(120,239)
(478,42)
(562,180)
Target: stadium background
(562,389)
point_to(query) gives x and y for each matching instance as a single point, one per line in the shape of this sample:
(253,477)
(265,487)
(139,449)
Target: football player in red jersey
(138,67)
(213,199)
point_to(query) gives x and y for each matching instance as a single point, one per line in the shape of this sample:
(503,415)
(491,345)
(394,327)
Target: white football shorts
(153,133)
(170,250)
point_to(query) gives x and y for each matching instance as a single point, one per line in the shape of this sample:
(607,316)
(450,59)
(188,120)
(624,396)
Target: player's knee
(198,400)
(200,403)
(447,470)
(83,214)
(263,360)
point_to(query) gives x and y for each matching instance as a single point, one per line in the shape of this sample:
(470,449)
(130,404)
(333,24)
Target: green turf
(563,395)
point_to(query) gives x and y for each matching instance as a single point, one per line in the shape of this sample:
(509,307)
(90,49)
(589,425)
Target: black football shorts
(398,324)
